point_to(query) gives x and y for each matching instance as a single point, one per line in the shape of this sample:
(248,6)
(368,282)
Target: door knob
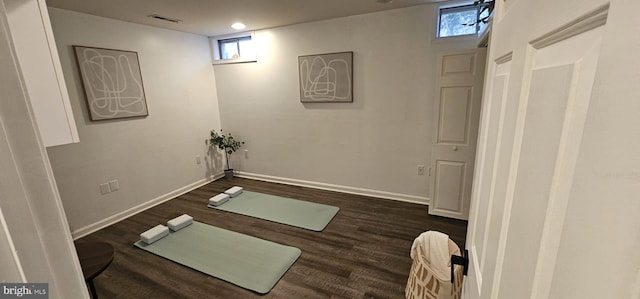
(454,148)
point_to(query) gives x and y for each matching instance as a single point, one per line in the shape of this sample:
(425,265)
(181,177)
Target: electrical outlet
(114,185)
(198,160)
(104,188)
(420,169)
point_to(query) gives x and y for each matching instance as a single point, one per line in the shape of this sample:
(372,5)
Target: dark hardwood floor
(362,253)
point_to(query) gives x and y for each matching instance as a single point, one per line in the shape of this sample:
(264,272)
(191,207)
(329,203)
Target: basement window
(235,48)
(454,21)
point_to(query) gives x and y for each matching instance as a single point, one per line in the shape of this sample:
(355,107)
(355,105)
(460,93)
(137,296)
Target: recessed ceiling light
(238,26)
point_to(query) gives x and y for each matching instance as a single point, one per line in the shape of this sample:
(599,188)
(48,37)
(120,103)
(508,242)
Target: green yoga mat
(246,261)
(304,214)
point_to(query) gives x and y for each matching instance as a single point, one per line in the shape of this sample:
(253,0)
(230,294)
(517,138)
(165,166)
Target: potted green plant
(228,144)
(485,6)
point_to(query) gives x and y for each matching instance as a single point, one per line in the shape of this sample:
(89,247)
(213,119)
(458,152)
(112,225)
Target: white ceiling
(213,17)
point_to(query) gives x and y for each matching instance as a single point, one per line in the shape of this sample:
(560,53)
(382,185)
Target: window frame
(236,41)
(459,8)
(216,51)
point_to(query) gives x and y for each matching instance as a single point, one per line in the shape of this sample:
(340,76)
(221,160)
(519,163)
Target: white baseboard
(331,187)
(83,231)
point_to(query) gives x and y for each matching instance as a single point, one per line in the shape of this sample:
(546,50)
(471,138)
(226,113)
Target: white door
(35,241)
(456,113)
(554,209)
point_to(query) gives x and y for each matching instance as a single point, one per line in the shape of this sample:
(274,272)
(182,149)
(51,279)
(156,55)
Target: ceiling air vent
(163,18)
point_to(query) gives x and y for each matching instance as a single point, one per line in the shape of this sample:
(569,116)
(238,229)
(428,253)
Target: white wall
(374,143)
(150,156)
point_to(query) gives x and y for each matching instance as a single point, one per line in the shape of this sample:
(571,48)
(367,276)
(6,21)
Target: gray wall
(373,144)
(153,156)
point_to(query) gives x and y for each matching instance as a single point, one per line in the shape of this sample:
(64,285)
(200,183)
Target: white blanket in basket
(437,249)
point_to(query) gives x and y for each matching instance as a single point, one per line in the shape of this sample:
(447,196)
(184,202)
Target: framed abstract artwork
(326,77)
(112,82)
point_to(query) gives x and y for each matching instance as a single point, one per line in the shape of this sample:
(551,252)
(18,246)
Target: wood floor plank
(362,253)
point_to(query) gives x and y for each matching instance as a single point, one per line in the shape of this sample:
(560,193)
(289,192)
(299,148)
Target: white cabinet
(40,65)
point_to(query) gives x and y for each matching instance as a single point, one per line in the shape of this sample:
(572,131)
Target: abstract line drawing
(112,82)
(326,77)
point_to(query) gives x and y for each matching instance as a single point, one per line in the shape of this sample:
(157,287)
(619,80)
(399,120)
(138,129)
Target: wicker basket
(423,284)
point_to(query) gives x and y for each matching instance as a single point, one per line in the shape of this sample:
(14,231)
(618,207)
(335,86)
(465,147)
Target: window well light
(238,26)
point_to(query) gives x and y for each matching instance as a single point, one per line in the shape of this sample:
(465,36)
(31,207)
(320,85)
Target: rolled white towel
(156,233)
(218,199)
(179,222)
(234,191)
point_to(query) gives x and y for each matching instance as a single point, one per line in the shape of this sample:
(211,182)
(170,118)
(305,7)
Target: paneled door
(554,206)
(456,113)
